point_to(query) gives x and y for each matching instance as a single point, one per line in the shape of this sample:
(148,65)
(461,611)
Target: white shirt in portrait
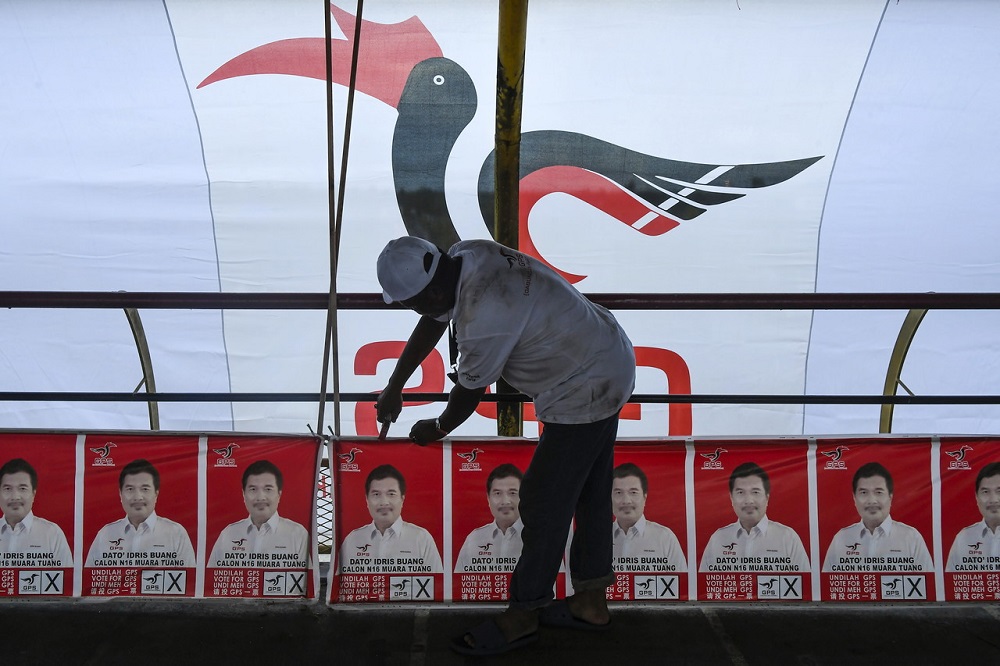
(403,545)
(893,546)
(157,541)
(488,548)
(768,546)
(37,540)
(646,546)
(279,543)
(976,548)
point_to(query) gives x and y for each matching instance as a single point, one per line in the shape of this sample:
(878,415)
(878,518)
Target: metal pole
(510,85)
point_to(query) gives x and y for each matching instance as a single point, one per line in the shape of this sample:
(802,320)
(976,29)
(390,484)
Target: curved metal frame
(146,361)
(892,375)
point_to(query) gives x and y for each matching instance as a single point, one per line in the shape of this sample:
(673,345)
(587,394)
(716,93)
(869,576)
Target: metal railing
(132,301)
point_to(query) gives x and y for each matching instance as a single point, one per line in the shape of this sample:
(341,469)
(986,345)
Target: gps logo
(904,588)
(779,587)
(712,459)
(655,587)
(411,588)
(284,584)
(164,581)
(40,582)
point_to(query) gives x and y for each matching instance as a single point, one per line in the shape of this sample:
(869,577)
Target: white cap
(406,266)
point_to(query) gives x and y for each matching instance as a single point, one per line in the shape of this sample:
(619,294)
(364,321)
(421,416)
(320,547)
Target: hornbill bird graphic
(470,456)
(959,453)
(835,454)
(226,451)
(402,65)
(348,456)
(714,455)
(104,451)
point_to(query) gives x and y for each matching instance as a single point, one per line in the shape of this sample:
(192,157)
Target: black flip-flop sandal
(488,639)
(557,614)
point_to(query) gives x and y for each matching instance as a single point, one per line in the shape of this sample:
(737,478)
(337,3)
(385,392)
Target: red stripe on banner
(588,187)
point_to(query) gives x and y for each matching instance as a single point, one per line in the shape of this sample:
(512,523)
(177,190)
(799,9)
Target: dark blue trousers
(569,475)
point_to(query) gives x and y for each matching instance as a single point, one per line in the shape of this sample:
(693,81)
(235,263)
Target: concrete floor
(137,631)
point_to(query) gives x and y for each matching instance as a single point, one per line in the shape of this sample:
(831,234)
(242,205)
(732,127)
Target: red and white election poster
(390,521)
(970,518)
(752,520)
(649,501)
(486,519)
(140,511)
(874,500)
(260,495)
(37,476)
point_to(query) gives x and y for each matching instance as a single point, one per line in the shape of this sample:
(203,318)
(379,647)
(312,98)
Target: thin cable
(336,203)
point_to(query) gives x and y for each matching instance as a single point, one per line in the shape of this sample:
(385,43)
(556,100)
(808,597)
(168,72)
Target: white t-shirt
(646,546)
(279,543)
(157,541)
(973,549)
(404,547)
(894,546)
(768,547)
(36,540)
(490,549)
(517,318)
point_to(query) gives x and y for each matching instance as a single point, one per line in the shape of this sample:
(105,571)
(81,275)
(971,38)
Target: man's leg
(562,466)
(550,490)
(591,550)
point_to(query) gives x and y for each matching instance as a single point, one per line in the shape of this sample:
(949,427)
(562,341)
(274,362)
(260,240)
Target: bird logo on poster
(227,451)
(349,456)
(104,451)
(714,455)
(959,454)
(836,454)
(470,456)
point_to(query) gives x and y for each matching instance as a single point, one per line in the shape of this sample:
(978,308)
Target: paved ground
(227,632)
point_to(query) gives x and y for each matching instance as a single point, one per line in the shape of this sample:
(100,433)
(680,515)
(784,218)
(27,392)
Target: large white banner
(674,146)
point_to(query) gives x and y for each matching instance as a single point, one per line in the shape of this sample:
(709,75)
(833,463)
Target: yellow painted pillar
(510,87)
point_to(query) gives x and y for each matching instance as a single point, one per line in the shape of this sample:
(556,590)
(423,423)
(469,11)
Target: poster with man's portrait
(261,493)
(37,485)
(751,502)
(140,515)
(649,532)
(390,525)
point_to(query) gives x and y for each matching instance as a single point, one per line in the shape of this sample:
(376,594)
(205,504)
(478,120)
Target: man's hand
(426,431)
(388,406)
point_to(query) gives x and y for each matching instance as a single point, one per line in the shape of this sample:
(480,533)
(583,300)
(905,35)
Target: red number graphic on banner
(678,383)
(671,363)
(366,363)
